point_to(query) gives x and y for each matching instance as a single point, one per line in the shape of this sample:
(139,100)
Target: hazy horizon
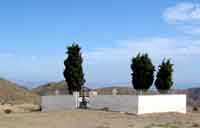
(30,84)
(34,36)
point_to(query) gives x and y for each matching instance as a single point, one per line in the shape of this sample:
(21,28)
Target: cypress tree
(73,72)
(142,72)
(164,76)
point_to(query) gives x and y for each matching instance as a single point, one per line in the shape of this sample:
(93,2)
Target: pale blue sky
(35,33)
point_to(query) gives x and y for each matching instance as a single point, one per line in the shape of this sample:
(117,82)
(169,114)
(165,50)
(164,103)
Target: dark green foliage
(142,72)
(164,76)
(73,72)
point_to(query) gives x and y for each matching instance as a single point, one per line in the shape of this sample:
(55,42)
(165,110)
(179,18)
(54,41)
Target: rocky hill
(15,94)
(51,88)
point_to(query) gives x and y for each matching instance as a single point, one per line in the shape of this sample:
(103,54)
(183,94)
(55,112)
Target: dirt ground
(97,119)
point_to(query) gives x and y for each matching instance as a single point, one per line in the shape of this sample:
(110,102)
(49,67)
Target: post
(76,95)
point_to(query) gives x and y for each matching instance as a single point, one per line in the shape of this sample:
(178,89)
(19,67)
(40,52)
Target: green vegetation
(73,72)
(142,72)
(164,76)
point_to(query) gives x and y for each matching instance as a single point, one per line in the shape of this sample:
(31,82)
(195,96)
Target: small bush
(195,125)
(7,111)
(195,109)
(105,109)
(161,126)
(102,127)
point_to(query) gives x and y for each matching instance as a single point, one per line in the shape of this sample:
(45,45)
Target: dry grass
(97,119)
(8,108)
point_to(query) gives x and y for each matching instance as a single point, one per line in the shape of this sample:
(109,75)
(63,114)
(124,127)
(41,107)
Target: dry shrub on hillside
(7,111)
(195,108)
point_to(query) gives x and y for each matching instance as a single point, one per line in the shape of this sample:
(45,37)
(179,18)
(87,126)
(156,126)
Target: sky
(34,35)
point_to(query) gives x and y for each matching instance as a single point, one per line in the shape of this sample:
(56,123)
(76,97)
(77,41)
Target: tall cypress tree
(164,76)
(142,72)
(73,72)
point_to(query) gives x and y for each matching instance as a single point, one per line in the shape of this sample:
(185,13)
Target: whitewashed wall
(161,103)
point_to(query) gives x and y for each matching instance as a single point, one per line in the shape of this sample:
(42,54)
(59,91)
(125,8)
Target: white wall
(124,103)
(161,103)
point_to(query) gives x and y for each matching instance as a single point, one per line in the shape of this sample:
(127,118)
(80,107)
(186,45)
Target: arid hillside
(194,96)
(61,88)
(16,94)
(119,90)
(51,88)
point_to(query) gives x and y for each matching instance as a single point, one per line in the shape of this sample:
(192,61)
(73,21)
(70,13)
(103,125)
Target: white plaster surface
(161,103)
